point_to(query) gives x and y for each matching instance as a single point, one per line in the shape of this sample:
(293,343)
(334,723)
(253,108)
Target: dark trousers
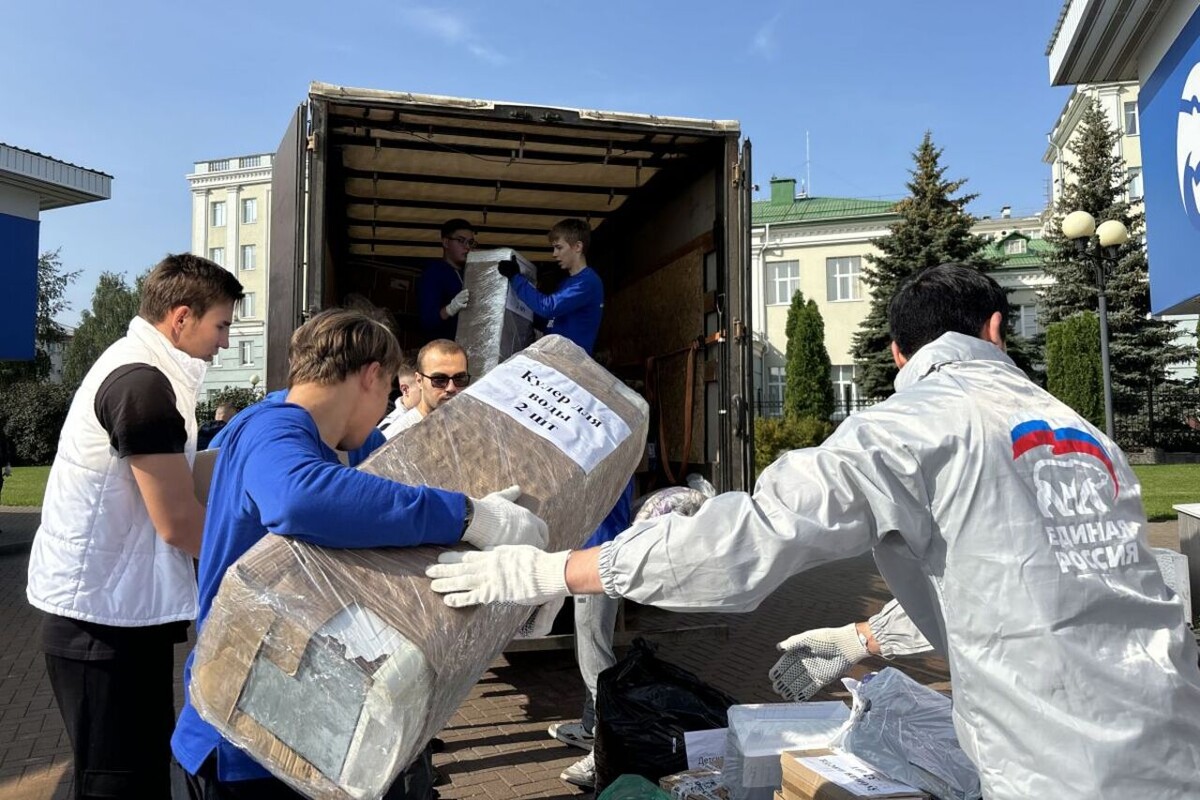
(119,714)
(415,783)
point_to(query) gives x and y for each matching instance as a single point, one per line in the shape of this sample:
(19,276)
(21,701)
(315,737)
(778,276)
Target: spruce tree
(934,228)
(808,383)
(1140,347)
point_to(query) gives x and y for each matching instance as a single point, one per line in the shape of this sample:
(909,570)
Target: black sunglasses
(442,381)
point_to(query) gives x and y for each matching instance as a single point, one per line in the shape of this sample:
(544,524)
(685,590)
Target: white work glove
(499,520)
(510,574)
(458,302)
(7,471)
(814,659)
(541,621)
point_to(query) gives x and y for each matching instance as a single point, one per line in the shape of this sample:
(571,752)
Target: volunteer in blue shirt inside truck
(278,471)
(574,309)
(441,290)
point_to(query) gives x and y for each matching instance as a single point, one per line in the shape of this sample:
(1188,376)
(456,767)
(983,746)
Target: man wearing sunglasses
(441,292)
(441,374)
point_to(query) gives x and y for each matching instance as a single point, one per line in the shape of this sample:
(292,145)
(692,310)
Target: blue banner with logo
(18,299)
(1169,106)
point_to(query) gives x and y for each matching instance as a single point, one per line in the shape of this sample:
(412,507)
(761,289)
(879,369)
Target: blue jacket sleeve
(298,493)
(570,296)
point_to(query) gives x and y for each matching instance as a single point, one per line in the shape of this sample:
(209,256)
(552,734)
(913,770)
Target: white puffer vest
(96,556)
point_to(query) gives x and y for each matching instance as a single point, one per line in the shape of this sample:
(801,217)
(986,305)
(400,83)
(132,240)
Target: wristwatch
(470,515)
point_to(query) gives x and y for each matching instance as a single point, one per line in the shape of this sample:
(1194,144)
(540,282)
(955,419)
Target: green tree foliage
(236,396)
(808,383)
(52,283)
(1140,347)
(114,304)
(934,228)
(32,415)
(1073,372)
(774,436)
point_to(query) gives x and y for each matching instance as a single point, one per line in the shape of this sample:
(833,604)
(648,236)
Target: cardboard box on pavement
(827,775)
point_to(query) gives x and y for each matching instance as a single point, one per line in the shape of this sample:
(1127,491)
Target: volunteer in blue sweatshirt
(575,308)
(278,471)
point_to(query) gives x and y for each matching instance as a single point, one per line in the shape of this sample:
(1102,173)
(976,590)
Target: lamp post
(1079,227)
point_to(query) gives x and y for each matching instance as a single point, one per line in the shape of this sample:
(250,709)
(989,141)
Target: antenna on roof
(807,168)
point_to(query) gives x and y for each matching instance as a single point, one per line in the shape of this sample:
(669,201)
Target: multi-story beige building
(819,245)
(231,223)
(1119,101)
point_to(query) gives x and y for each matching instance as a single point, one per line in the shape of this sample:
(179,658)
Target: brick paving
(496,744)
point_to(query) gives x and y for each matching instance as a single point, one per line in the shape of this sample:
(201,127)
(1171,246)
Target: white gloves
(509,574)
(7,471)
(458,302)
(814,659)
(499,520)
(540,622)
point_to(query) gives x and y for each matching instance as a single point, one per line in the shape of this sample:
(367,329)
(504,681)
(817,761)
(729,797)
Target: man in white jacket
(1010,529)
(111,563)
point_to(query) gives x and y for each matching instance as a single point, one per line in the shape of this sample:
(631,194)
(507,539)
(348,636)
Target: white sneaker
(582,773)
(572,733)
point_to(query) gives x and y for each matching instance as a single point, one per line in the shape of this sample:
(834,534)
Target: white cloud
(450,28)
(763,42)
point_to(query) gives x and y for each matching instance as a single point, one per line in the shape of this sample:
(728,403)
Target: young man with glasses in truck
(441,290)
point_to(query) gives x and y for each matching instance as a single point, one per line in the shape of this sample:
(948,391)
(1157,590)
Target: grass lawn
(25,486)
(1164,485)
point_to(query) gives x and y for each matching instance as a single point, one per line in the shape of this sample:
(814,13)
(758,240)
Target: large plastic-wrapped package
(496,324)
(906,730)
(333,668)
(760,732)
(1174,569)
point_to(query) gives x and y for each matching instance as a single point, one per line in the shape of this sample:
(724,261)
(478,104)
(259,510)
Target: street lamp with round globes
(1080,227)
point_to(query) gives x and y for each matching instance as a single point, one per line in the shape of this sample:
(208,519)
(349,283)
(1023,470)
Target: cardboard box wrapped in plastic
(758,733)
(496,324)
(333,668)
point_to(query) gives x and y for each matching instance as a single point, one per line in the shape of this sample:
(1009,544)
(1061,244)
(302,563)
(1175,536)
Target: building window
(250,211)
(783,279)
(845,390)
(1026,323)
(216,361)
(247,308)
(246,353)
(217,255)
(843,277)
(1135,190)
(775,381)
(247,256)
(218,214)
(249,161)
(1014,247)
(1131,119)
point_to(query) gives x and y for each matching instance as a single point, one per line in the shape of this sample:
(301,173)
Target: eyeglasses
(464,241)
(442,381)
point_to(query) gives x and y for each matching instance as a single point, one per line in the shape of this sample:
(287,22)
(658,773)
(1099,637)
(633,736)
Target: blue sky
(140,90)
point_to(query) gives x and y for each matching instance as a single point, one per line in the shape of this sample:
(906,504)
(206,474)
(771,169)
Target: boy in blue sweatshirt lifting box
(278,472)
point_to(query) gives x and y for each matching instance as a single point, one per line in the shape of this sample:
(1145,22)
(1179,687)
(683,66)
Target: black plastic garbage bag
(643,707)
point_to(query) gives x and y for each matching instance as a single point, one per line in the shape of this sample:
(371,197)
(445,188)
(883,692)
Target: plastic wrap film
(695,784)
(333,668)
(1174,569)
(906,730)
(496,324)
(759,733)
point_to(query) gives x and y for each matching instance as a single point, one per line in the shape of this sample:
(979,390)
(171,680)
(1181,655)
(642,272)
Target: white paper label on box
(856,775)
(554,407)
(705,749)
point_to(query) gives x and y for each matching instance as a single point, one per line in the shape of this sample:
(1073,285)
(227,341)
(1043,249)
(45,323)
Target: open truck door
(285,278)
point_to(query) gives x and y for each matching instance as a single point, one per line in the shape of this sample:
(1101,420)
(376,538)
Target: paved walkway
(497,746)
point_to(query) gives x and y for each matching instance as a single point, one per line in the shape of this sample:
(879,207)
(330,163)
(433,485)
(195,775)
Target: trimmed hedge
(1073,373)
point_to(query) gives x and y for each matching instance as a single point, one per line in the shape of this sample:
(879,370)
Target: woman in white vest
(111,563)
